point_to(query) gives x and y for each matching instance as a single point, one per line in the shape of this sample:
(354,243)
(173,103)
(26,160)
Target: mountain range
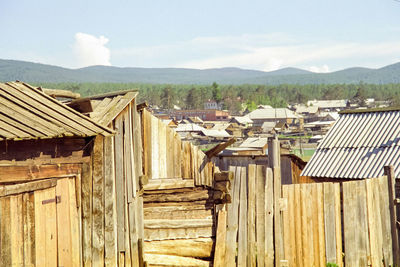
(11,70)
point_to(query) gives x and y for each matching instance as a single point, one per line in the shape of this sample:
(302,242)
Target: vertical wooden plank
(128,156)
(155,155)
(86,213)
(338,225)
(127,231)
(385,222)
(45,228)
(137,145)
(29,229)
(299,224)
(242,233)
(329,221)
(251,216)
(17,241)
(131,158)
(309,226)
(364,248)
(314,226)
(162,137)
(170,156)
(5,232)
(293,261)
(120,183)
(220,244)
(232,220)
(110,208)
(133,235)
(304,223)
(373,216)
(178,151)
(389,171)
(269,218)
(98,202)
(286,227)
(74,222)
(63,224)
(321,224)
(260,214)
(140,229)
(147,143)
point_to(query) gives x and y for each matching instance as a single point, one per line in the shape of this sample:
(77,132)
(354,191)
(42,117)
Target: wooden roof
(107,107)
(26,112)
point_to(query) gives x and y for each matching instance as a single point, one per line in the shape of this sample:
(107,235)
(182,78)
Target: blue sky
(318,35)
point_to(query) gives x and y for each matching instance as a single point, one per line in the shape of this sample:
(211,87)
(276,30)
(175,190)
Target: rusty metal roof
(358,146)
(28,113)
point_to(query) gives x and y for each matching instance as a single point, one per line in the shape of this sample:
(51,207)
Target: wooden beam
(220,243)
(61,93)
(7,190)
(389,171)
(218,148)
(12,174)
(82,105)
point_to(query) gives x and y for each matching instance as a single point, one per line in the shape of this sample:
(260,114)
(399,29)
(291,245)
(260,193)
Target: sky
(316,35)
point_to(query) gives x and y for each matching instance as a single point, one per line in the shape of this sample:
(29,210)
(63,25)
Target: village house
(329,105)
(261,115)
(205,115)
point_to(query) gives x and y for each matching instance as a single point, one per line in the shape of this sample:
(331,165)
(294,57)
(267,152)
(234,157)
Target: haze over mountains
(11,70)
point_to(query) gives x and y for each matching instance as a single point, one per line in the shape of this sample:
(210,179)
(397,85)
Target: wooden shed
(67,182)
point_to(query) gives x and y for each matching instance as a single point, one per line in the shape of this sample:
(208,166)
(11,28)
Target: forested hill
(11,70)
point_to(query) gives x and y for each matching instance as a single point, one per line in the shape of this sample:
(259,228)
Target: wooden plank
(286,226)
(127,156)
(387,253)
(162,148)
(321,225)
(170,164)
(373,215)
(133,235)
(314,226)
(173,224)
(87,191)
(64,240)
(178,233)
(293,261)
(45,228)
(299,224)
(147,141)
(389,171)
(157,184)
(137,145)
(74,223)
(242,232)
(269,218)
(232,220)
(28,211)
(363,242)
(120,183)
(5,232)
(329,221)
(220,245)
(198,247)
(218,148)
(98,202)
(110,208)
(177,155)
(13,174)
(17,231)
(304,223)
(251,215)
(155,144)
(7,190)
(171,260)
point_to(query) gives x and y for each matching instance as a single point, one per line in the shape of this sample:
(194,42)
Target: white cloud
(262,52)
(90,50)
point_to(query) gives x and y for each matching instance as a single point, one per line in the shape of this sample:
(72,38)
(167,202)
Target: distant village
(300,127)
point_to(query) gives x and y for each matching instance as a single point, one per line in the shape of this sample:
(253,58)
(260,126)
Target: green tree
(168,97)
(360,96)
(216,92)
(194,99)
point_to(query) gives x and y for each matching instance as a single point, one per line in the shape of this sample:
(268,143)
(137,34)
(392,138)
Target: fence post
(389,171)
(274,161)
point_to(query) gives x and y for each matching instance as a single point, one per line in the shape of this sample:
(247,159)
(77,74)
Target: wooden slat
(292,255)
(178,233)
(28,211)
(14,174)
(157,184)
(251,215)
(385,213)
(330,229)
(269,218)
(314,226)
(74,216)
(45,228)
(171,260)
(286,226)
(110,209)
(87,191)
(338,225)
(64,240)
(260,214)
(17,231)
(7,190)
(321,224)
(198,247)
(155,143)
(374,216)
(242,232)
(220,245)
(5,232)
(162,149)
(232,220)
(178,151)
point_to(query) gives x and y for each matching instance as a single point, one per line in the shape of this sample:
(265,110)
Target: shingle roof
(28,113)
(358,145)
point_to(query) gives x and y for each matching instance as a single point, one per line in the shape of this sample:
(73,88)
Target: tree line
(237,97)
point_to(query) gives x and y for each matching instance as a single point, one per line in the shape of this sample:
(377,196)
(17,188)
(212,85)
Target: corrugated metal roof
(273,113)
(107,107)
(358,145)
(28,113)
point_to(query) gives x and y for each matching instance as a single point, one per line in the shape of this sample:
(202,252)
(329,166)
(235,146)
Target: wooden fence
(167,156)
